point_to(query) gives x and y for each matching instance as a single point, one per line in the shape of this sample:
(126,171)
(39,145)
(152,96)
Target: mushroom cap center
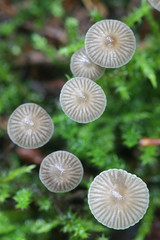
(28,121)
(81,97)
(29,124)
(118,195)
(60,172)
(110,41)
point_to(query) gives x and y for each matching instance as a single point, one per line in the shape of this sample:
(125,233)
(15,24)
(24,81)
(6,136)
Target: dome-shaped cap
(61,171)
(110,43)
(82,100)
(82,66)
(155,4)
(118,199)
(30,126)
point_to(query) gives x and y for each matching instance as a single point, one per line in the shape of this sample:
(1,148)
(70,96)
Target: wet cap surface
(30,126)
(61,171)
(118,199)
(82,66)
(82,100)
(155,4)
(110,43)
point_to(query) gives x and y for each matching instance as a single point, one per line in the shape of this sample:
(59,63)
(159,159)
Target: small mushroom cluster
(30,127)
(108,44)
(116,198)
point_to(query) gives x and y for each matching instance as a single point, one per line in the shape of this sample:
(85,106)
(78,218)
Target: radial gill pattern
(61,171)
(118,199)
(82,100)
(30,126)
(110,43)
(155,4)
(82,66)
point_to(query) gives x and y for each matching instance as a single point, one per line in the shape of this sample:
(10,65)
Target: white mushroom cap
(61,171)
(155,4)
(82,100)
(110,43)
(82,66)
(30,126)
(118,199)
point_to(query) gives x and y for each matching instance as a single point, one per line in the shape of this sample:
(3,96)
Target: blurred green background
(37,39)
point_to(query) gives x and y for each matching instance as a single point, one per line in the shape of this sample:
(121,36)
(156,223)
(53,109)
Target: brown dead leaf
(69,4)
(155,231)
(7,9)
(56,34)
(54,86)
(92,4)
(53,30)
(3,123)
(30,155)
(32,57)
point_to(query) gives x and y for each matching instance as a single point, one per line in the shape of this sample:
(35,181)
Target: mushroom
(155,4)
(118,199)
(82,66)
(61,171)
(82,100)
(110,43)
(30,126)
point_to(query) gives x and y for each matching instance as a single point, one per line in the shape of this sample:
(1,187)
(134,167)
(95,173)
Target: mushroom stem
(57,208)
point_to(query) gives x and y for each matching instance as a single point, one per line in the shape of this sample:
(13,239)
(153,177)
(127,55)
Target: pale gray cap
(30,126)
(110,43)
(61,171)
(82,100)
(118,199)
(155,4)
(82,66)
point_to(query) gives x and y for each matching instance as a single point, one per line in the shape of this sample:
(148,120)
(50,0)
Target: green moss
(112,141)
